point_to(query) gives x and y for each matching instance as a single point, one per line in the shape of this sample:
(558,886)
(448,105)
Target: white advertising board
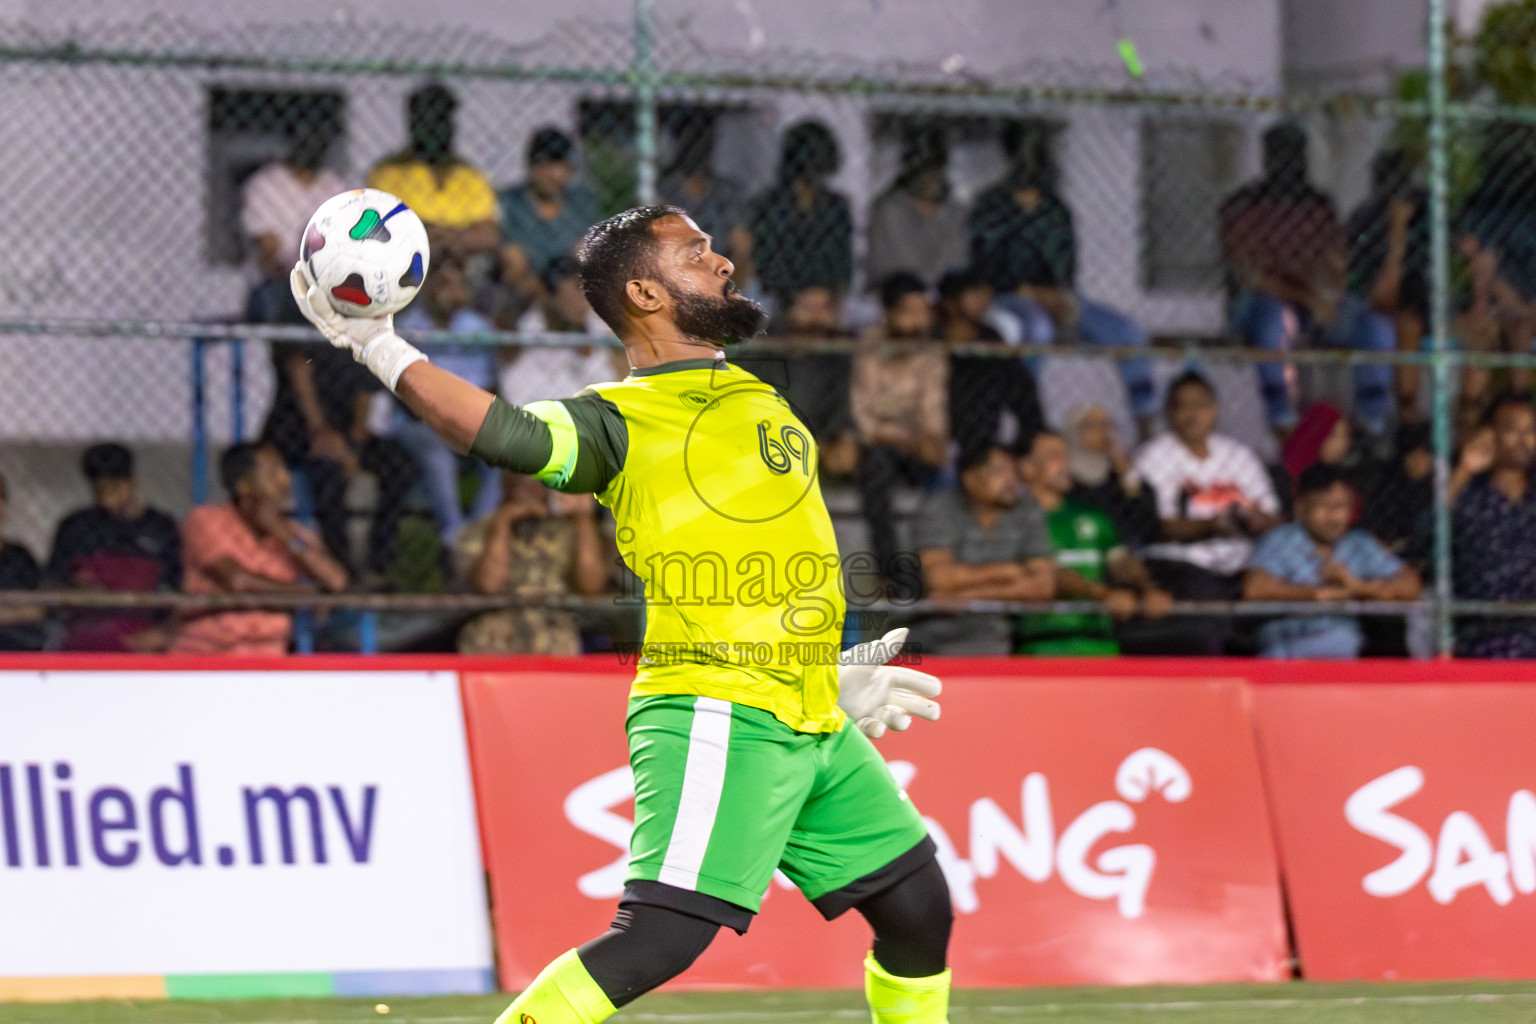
(209,823)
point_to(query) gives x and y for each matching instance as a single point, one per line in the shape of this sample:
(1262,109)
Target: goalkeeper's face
(704,301)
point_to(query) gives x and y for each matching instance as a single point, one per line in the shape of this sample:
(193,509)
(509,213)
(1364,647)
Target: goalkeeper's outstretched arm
(574,445)
(447,403)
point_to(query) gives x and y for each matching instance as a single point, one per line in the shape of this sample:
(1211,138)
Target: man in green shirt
(1091,563)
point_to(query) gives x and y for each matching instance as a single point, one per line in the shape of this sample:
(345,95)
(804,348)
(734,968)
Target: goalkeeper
(748,735)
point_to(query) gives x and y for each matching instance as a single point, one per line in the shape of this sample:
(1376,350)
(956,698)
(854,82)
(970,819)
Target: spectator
(250,545)
(1493,529)
(1091,562)
(802,231)
(21,626)
(1213,495)
(319,424)
(898,400)
(1398,507)
(982,542)
(537,543)
(1495,235)
(1322,435)
(718,205)
(444,305)
(275,205)
(992,398)
(916,225)
(1288,266)
(1320,558)
(545,372)
(116,544)
(544,217)
(1389,261)
(815,384)
(1023,241)
(453,198)
(1104,477)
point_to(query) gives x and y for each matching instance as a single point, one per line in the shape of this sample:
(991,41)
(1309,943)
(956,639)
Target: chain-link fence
(1142,321)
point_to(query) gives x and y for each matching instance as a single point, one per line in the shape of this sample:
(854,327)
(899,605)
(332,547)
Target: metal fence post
(199,427)
(237,390)
(643,73)
(1439,322)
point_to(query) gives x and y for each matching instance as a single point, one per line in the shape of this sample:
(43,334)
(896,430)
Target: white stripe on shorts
(703,780)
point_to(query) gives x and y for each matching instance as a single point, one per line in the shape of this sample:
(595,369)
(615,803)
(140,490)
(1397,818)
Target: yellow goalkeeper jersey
(712,481)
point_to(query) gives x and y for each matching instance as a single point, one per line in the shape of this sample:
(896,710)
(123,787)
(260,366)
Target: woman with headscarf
(1321,435)
(1105,476)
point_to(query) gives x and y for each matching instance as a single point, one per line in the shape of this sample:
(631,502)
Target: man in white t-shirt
(276,203)
(1213,497)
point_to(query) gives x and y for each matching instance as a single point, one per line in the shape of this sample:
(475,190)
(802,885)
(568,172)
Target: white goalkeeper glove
(372,340)
(878,696)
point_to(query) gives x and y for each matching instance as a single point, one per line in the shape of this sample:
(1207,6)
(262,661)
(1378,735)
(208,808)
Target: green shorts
(726,793)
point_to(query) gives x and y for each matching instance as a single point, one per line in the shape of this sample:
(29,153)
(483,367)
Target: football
(367,251)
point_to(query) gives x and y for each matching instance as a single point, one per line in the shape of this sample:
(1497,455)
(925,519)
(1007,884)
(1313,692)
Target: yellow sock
(894,1000)
(563,993)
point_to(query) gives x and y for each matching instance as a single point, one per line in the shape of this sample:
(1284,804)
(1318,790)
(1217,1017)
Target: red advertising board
(1406,825)
(1105,831)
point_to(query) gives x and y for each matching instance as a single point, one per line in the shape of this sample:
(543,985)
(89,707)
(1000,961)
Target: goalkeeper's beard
(724,320)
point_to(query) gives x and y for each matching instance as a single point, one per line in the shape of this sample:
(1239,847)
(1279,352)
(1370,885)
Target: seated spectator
(453,198)
(319,423)
(1288,266)
(539,372)
(250,545)
(1023,241)
(965,296)
(537,543)
(898,400)
(802,231)
(1091,563)
(1104,477)
(916,225)
(276,203)
(1496,235)
(718,205)
(1389,261)
(984,541)
(1320,558)
(1322,435)
(116,544)
(544,217)
(815,384)
(1398,506)
(992,399)
(1213,495)
(21,626)
(1493,530)
(444,305)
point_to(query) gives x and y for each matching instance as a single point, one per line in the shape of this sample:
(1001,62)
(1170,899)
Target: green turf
(1444,1003)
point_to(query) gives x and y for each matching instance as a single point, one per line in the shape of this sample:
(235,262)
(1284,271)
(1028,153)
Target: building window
(1187,167)
(248,128)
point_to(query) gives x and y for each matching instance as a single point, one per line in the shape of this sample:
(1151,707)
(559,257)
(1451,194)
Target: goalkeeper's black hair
(614,252)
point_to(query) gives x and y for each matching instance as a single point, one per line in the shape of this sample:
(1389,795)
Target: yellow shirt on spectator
(454,197)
